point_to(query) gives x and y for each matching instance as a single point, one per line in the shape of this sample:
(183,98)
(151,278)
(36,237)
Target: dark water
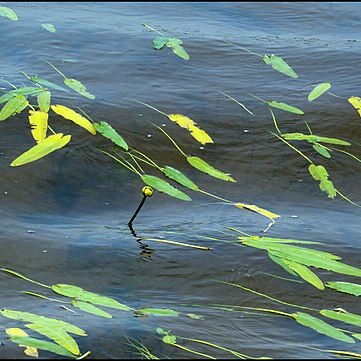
(63,218)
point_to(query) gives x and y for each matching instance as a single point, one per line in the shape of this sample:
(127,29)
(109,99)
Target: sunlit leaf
(49,27)
(180,51)
(311,138)
(282,263)
(346,287)
(70,114)
(356,102)
(321,150)
(26,90)
(39,124)
(253,208)
(61,337)
(163,186)
(108,132)
(187,123)
(346,317)
(8,13)
(29,351)
(280,65)
(78,87)
(159,42)
(319,173)
(44,100)
(318,91)
(159,312)
(282,240)
(203,166)
(15,105)
(46,146)
(42,345)
(285,107)
(88,307)
(179,177)
(169,339)
(47,84)
(321,327)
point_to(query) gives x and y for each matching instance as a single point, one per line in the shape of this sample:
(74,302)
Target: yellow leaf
(257,209)
(29,351)
(356,102)
(183,121)
(39,124)
(70,114)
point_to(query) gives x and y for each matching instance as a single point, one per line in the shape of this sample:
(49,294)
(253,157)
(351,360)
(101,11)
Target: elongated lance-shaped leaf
(72,115)
(26,91)
(180,51)
(283,240)
(61,337)
(29,351)
(163,186)
(280,65)
(46,146)
(319,173)
(179,177)
(321,327)
(32,317)
(345,287)
(321,150)
(253,208)
(88,307)
(8,13)
(159,312)
(356,103)
(343,316)
(284,106)
(282,263)
(313,139)
(15,105)
(44,100)
(318,91)
(42,345)
(78,87)
(107,131)
(49,27)
(39,124)
(47,84)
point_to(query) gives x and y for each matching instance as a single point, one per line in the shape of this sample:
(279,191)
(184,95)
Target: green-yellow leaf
(280,65)
(163,186)
(203,166)
(321,327)
(179,177)
(15,105)
(29,351)
(8,13)
(44,100)
(346,287)
(285,107)
(319,173)
(78,87)
(159,312)
(108,132)
(39,124)
(46,146)
(180,51)
(346,317)
(281,262)
(70,114)
(321,150)
(169,339)
(356,102)
(49,27)
(282,240)
(318,91)
(253,208)
(311,138)
(88,307)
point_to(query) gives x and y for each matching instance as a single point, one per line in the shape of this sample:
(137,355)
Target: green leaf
(47,84)
(321,327)
(346,317)
(160,331)
(49,27)
(40,150)
(285,107)
(26,90)
(346,287)
(31,317)
(8,13)
(163,186)
(78,87)
(67,290)
(172,42)
(108,132)
(180,51)
(169,339)
(61,337)
(44,100)
(311,138)
(42,345)
(15,105)
(318,91)
(159,42)
(5,97)
(280,65)
(282,263)
(203,166)
(159,312)
(319,173)
(279,240)
(321,150)
(179,177)
(88,307)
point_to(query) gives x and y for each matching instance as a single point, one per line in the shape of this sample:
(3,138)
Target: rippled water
(63,218)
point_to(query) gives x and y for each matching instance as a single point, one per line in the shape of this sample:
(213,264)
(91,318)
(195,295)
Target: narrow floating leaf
(319,173)
(285,107)
(346,287)
(321,327)
(183,121)
(108,132)
(26,90)
(8,13)
(313,139)
(88,307)
(44,101)
(321,150)
(280,65)
(47,84)
(67,290)
(253,208)
(203,166)
(356,103)
(49,27)
(70,114)
(346,317)
(15,105)
(181,52)
(282,263)
(13,332)
(159,312)
(318,91)
(163,186)
(179,177)
(46,146)
(78,87)
(284,240)
(39,124)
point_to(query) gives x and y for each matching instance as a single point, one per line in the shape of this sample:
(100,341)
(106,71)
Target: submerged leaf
(321,150)
(49,27)
(346,287)
(15,105)
(318,91)
(257,209)
(346,317)
(159,312)
(70,114)
(179,177)
(39,124)
(44,100)
(280,65)
(88,307)
(8,13)
(356,102)
(203,166)
(319,173)
(13,332)
(163,186)
(46,146)
(285,107)
(78,87)
(107,131)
